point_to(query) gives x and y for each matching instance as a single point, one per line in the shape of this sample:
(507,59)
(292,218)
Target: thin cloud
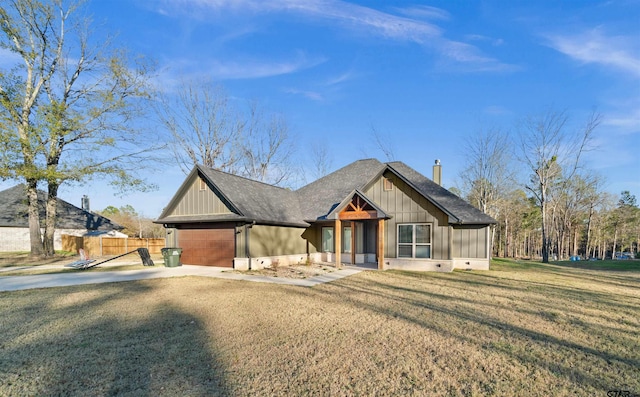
(365,20)
(315,96)
(593,46)
(239,69)
(424,12)
(257,69)
(628,123)
(479,37)
(339,79)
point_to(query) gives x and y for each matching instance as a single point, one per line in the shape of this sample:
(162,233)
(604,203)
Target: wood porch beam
(338,241)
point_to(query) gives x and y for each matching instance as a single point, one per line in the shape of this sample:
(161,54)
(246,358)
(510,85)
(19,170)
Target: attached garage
(214,246)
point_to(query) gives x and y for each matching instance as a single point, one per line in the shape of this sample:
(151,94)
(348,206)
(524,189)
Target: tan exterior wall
(199,202)
(276,241)
(171,239)
(241,238)
(408,206)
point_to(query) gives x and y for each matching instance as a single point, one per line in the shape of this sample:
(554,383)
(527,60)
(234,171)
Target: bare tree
(321,160)
(488,174)
(203,127)
(384,143)
(574,204)
(552,155)
(67,109)
(266,148)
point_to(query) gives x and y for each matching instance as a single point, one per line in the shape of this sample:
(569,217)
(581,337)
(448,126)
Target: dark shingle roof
(319,198)
(14,212)
(256,200)
(263,203)
(451,204)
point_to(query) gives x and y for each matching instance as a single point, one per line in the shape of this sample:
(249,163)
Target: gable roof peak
(205,169)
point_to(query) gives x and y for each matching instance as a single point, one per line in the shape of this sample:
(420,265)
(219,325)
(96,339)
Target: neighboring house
(366,212)
(14,220)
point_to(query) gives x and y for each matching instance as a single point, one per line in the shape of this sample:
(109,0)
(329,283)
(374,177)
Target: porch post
(380,244)
(338,248)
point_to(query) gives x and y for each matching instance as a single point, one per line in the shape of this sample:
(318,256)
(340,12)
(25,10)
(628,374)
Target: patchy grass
(20,264)
(100,268)
(519,329)
(617,265)
(632,265)
(22,258)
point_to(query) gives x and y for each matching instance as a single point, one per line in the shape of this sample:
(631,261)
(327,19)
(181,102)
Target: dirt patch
(294,271)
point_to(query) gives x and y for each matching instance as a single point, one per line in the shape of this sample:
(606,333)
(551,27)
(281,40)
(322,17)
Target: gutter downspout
(247,251)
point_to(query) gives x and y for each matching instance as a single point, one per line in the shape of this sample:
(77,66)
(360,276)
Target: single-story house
(366,212)
(71,220)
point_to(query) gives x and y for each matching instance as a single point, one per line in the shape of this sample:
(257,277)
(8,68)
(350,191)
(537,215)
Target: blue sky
(425,74)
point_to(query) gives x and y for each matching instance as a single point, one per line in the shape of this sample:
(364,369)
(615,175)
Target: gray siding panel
(408,206)
(470,241)
(199,202)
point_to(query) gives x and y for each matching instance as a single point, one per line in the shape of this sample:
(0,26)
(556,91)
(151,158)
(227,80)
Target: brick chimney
(437,173)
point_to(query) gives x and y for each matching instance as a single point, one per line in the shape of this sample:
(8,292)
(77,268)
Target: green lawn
(20,264)
(522,328)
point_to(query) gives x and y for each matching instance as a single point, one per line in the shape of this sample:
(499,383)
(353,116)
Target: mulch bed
(294,271)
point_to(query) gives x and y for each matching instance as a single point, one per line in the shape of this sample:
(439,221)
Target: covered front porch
(356,234)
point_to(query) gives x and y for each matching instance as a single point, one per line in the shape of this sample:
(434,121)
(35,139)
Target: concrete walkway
(15,283)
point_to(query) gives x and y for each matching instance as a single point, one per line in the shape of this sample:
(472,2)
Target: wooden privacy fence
(100,246)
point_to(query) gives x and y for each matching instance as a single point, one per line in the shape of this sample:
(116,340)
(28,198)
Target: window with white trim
(414,240)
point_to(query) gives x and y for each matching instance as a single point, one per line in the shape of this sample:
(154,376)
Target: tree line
(548,204)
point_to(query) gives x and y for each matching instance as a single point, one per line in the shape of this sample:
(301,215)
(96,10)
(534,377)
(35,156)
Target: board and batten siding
(406,205)
(470,241)
(199,202)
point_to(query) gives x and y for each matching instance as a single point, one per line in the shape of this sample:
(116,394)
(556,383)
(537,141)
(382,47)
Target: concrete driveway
(15,283)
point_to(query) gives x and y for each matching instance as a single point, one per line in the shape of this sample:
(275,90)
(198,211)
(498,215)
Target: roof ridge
(244,177)
(331,174)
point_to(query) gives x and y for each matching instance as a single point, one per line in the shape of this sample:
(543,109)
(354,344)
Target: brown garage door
(207,247)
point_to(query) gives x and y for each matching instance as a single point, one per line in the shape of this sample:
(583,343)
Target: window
(327,239)
(346,240)
(203,184)
(387,184)
(414,240)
